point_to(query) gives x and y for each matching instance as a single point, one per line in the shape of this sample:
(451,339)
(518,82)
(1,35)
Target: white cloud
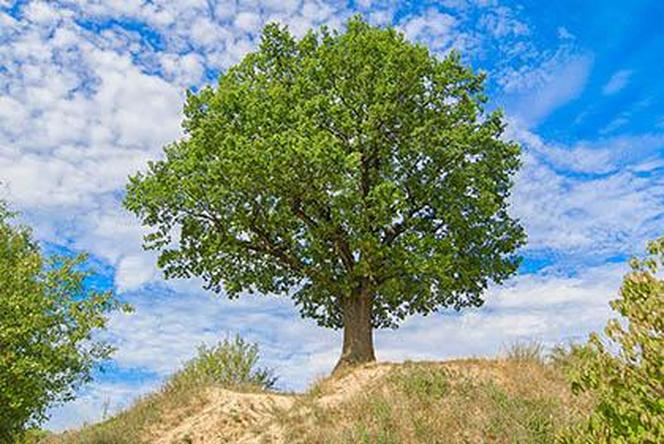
(434,28)
(248,22)
(602,156)
(501,22)
(42,13)
(533,93)
(617,82)
(588,218)
(134,271)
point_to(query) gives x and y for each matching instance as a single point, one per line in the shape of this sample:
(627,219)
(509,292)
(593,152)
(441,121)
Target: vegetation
(47,321)
(626,372)
(477,400)
(466,401)
(230,364)
(365,197)
(615,393)
(527,351)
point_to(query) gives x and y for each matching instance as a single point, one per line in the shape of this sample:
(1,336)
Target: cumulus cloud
(434,28)
(580,201)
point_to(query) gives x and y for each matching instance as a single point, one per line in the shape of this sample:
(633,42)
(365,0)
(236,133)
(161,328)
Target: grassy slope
(518,400)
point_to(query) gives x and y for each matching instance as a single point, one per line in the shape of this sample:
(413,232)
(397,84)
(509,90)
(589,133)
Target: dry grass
(516,399)
(526,351)
(170,405)
(230,364)
(466,401)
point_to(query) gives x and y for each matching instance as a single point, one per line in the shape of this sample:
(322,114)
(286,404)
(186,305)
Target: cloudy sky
(92,89)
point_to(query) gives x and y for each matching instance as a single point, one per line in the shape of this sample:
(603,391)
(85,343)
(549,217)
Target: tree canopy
(47,320)
(340,167)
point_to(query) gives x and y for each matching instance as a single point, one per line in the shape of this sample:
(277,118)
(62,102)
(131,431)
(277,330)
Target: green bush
(625,370)
(47,322)
(230,363)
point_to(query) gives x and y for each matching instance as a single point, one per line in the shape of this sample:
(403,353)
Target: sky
(90,90)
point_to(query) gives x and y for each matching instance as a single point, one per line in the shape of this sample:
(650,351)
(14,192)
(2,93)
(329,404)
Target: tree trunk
(358,332)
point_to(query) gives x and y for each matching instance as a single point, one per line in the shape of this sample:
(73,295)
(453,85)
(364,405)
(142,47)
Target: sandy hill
(461,401)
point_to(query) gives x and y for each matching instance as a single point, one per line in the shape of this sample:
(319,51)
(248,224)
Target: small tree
(354,171)
(627,373)
(47,318)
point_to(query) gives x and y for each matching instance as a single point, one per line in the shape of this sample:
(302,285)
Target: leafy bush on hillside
(626,373)
(231,363)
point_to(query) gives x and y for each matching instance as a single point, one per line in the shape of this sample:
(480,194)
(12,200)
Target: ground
(464,401)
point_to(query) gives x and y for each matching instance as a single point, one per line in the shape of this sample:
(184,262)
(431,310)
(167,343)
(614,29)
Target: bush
(48,320)
(231,363)
(626,374)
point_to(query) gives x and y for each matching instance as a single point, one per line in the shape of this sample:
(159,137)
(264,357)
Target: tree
(626,373)
(355,172)
(47,318)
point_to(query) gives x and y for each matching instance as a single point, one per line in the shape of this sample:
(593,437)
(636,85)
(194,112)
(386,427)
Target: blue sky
(90,90)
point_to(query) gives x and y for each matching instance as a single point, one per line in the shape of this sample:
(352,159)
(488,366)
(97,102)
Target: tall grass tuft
(526,351)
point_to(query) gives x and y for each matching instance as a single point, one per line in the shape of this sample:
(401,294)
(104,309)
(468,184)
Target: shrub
(48,320)
(230,363)
(626,373)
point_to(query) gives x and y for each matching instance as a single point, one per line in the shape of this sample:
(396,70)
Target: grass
(232,364)
(520,398)
(526,351)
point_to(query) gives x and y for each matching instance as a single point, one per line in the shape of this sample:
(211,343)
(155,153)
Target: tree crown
(337,162)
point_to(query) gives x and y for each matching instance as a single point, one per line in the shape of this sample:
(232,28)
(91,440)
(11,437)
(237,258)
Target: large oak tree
(353,171)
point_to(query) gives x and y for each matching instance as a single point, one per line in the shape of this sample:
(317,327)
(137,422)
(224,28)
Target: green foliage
(338,164)
(626,373)
(47,319)
(230,363)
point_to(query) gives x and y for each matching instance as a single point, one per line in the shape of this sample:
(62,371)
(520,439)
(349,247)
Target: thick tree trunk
(358,332)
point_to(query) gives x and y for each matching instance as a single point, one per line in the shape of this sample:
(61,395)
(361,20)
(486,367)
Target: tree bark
(358,332)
